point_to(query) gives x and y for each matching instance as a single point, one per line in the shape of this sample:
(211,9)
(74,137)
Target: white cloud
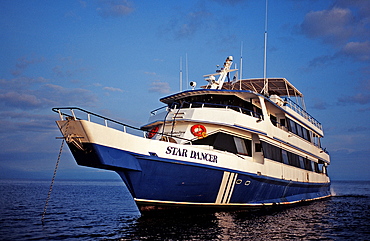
(345,26)
(19,100)
(113,89)
(115,8)
(160,87)
(333,26)
(358,50)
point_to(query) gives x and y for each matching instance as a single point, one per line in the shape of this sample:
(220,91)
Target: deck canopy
(244,95)
(276,86)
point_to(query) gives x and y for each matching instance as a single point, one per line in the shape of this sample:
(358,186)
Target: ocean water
(103,210)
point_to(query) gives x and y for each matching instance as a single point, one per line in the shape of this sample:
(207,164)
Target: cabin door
(257,153)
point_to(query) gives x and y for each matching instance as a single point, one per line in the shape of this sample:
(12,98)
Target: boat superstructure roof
(249,87)
(241,94)
(275,86)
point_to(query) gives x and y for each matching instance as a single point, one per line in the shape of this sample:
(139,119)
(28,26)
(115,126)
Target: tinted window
(284,156)
(225,142)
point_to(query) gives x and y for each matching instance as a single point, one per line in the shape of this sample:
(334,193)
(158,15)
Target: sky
(118,57)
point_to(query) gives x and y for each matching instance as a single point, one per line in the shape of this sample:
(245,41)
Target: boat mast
(265,80)
(241,66)
(223,73)
(186,69)
(180,74)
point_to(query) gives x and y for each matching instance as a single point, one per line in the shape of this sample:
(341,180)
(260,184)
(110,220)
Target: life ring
(199,131)
(153,131)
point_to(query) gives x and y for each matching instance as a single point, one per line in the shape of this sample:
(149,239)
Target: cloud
(23,63)
(358,129)
(186,24)
(332,26)
(362,96)
(359,98)
(115,8)
(68,67)
(320,61)
(359,51)
(113,89)
(56,95)
(345,26)
(150,73)
(320,105)
(193,22)
(160,87)
(83,4)
(20,100)
(22,121)
(20,83)
(45,96)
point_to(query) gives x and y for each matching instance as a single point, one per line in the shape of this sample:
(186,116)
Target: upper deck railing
(298,109)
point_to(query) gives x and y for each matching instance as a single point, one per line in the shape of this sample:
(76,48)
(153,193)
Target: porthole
(247,183)
(238,181)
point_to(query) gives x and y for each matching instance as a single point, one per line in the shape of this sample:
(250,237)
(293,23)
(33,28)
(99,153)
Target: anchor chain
(55,173)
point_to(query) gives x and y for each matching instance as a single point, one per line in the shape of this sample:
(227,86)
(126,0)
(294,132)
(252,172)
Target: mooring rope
(53,178)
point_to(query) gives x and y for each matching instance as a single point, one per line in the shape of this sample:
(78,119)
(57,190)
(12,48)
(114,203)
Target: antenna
(186,69)
(180,74)
(265,87)
(241,66)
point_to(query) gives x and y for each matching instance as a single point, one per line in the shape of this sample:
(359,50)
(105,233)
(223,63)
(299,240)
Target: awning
(276,86)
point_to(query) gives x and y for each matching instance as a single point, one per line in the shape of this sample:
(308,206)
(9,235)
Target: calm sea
(103,210)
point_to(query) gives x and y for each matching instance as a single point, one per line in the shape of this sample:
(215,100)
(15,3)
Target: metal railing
(298,109)
(73,114)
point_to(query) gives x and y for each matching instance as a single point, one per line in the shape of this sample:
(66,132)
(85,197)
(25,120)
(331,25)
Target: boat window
(315,166)
(257,147)
(301,162)
(229,143)
(292,126)
(273,120)
(282,122)
(293,159)
(315,139)
(308,165)
(306,134)
(277,154)
(284,155)
(299,130)
(271,152)
(243,146)
(218,101)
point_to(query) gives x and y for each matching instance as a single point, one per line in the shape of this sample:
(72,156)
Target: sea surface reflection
(103,210)
(310,221)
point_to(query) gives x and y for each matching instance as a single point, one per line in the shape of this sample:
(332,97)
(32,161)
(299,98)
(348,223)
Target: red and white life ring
(199,131)
(153,131)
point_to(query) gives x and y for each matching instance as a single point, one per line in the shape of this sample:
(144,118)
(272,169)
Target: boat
(232,143)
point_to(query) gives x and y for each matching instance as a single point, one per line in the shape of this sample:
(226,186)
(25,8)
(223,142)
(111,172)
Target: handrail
(106,119)
(153,112)
(294,106)
(57,110)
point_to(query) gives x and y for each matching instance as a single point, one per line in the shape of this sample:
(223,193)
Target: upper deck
(277,90)
(272,87)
